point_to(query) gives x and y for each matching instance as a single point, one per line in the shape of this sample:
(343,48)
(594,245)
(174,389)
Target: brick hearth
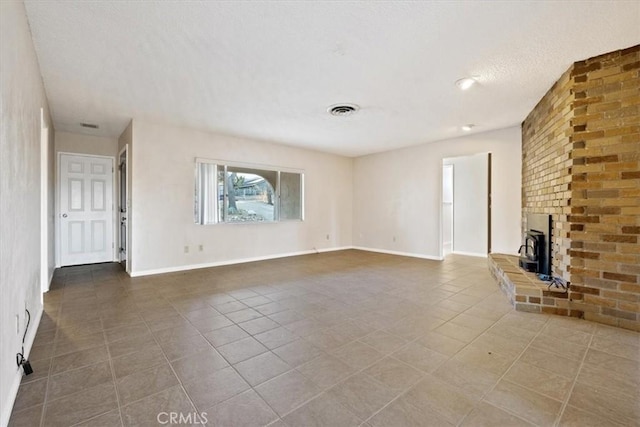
(528,293)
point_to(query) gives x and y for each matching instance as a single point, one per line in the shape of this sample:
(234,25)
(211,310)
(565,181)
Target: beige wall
(86,144)
(163,173)
(398,194)
(22,96)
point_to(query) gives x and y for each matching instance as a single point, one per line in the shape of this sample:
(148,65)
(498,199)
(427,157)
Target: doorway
(466,205)
(122,208)
(447,209)
(86,209)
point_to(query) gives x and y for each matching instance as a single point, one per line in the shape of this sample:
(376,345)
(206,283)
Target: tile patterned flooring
(346,338)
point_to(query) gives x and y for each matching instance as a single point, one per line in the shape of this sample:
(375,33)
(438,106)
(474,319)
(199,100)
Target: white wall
(398,194)
(470,203)
(21,96)
(163,179)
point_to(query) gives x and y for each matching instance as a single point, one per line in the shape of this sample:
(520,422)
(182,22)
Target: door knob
(64,215)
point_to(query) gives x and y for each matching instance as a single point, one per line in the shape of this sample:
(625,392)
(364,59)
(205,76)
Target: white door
(86,209)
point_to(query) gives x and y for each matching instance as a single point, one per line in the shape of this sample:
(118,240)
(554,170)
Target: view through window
(233,194)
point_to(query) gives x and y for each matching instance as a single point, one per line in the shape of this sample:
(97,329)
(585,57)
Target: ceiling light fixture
(466,83)
(468,127)
(343,110)
(89,125)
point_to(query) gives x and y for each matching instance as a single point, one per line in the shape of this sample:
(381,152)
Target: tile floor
(337,339)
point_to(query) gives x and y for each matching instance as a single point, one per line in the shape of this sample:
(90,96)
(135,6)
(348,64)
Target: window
(237,193)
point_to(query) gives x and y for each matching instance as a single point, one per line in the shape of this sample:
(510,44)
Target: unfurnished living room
(320,213)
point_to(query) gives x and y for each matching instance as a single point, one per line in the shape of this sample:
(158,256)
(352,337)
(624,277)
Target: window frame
(220,216)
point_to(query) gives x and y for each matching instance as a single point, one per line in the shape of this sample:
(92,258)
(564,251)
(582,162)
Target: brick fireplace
(581,164)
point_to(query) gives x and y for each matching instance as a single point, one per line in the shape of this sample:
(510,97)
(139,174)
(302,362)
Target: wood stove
(535,253)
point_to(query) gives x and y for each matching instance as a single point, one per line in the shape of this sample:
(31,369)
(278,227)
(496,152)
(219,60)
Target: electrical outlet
(201,248)
(186,249)
(394,238)
(327,237)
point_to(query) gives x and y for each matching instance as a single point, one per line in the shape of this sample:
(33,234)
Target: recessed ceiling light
(468,127)
(466,83)
(343,109)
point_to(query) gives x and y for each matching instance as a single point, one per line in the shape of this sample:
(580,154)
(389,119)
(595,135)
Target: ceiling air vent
(89,125)
(343,109)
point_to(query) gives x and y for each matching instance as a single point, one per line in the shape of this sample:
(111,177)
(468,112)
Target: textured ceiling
(269,69)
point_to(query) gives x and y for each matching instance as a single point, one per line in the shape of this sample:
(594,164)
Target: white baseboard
(50,280)
(17,377)
(339,248)
(231,262)
(408,254)
(476,254)
(275,256)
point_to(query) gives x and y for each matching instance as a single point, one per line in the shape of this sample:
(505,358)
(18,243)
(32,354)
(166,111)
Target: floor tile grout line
(293,368)
(573,384)
(488,391)
(403,393)
(184,390)
(323,390)
(546,370)
(251,387)
(297,407)
(216,350)
(155,339)
(146,397)
(53,356)
(617,355)
(46,393)
(79,367)
(86,420)
(412,342)
(449,358)
(113,378)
